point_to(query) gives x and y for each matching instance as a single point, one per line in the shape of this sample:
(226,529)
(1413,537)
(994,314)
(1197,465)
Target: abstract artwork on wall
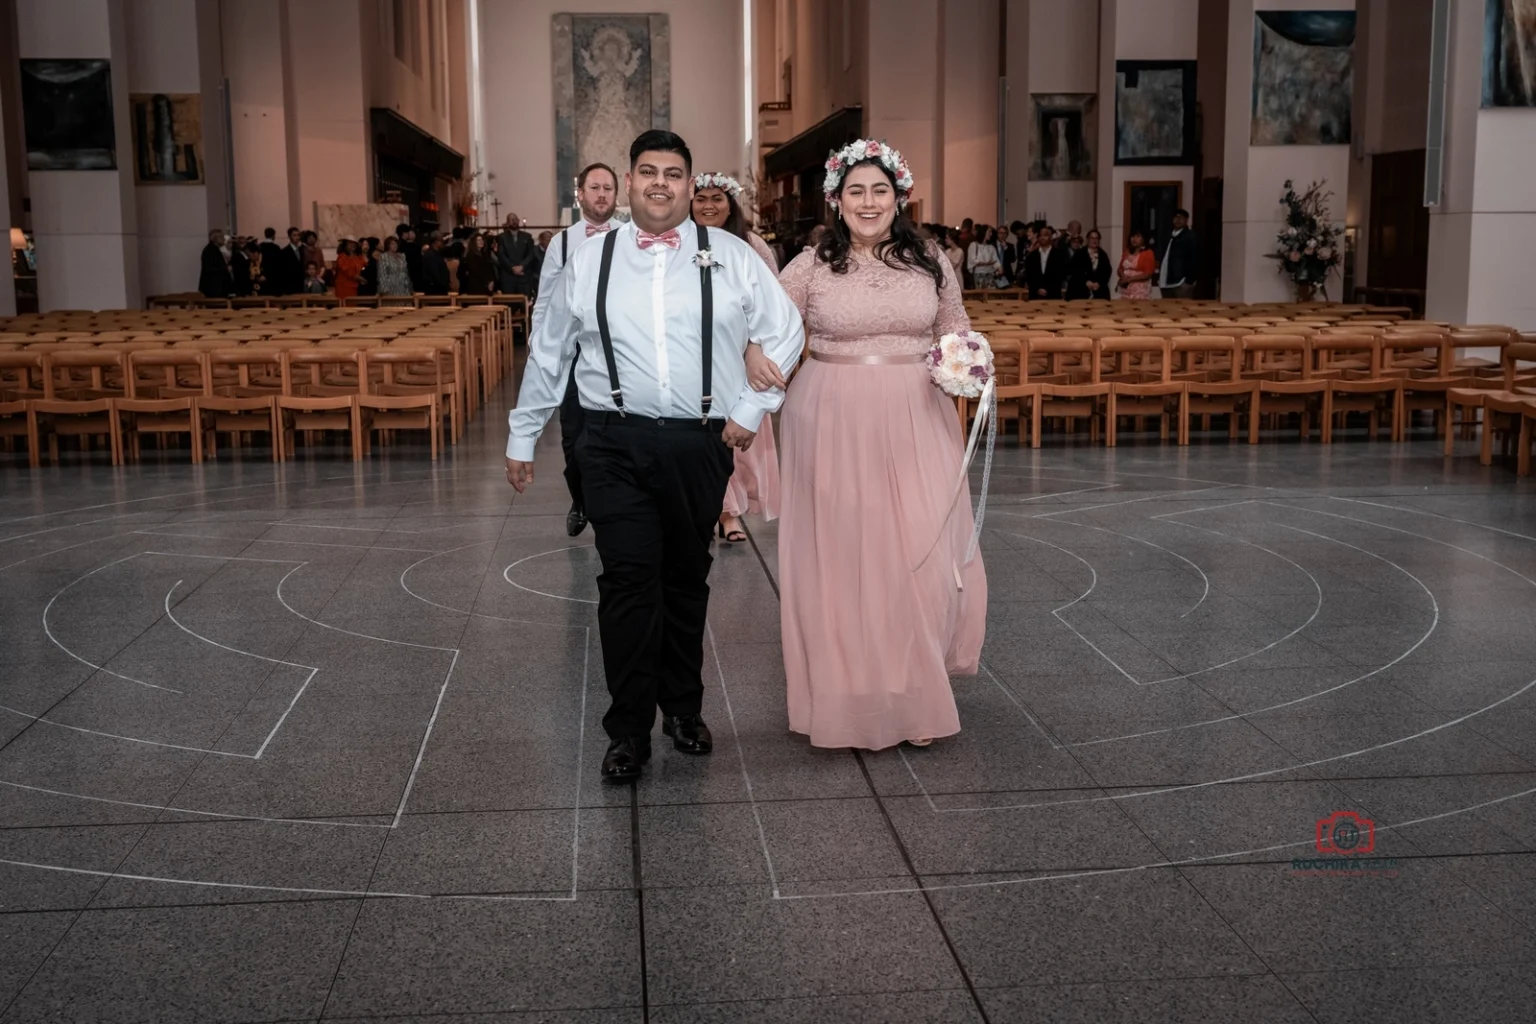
(67,109)
(1303,78)
(1154,112)
(167,138)
(1509,53)
(1061,147)
(613,80)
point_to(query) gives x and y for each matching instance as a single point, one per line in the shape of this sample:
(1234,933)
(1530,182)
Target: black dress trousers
(571,423)
(653,490)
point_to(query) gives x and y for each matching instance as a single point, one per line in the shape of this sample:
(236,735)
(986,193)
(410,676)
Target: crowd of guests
(409,262)
(1071,264)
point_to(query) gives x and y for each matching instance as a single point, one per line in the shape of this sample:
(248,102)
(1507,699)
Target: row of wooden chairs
(1317,379)
(236,390)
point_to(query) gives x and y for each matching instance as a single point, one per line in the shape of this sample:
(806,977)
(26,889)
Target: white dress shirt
(1162,277)
(554,262)
(654,319)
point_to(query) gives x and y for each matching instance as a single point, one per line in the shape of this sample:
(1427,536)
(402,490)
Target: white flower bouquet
(961,364)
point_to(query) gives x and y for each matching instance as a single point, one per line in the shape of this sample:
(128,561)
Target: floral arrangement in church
(960,365)
(867,149)
(1308,247)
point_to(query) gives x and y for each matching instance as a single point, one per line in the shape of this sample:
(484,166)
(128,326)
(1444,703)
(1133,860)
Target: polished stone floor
(322,743)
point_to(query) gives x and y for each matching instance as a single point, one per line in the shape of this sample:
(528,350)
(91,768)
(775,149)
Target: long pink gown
(872,456)
(754,486)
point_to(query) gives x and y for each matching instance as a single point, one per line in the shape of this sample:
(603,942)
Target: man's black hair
(658,140)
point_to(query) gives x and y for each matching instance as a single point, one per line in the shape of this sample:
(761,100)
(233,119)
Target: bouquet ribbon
(986,416)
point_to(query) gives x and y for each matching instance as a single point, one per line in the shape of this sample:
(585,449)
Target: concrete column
(1138,30)
(328,134)
(1019,124)
(1487,215)
(165,56)
(1255,175)
(1064,58)
(85,222)
(905,103)
(254,56)
(970,110)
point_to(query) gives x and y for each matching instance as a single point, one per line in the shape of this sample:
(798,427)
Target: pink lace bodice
(873,309)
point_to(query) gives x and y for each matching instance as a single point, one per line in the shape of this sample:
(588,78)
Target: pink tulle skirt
(754,487)
(872,454)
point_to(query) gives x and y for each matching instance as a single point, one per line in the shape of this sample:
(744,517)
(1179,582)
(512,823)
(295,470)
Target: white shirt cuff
(747,416)
(520,448)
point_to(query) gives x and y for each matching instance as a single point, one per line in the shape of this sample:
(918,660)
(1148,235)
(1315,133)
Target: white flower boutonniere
(705,258)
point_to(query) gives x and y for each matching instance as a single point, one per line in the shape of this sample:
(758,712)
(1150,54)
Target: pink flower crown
(867,149)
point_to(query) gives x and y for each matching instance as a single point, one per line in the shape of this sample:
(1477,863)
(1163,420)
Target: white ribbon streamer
(986,414)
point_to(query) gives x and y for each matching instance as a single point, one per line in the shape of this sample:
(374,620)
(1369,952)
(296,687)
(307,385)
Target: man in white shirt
(597,192)
(662,325)
(1179,260)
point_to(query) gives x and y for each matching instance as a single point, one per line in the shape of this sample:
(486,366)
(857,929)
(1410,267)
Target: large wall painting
(1509,53)
(1066,128)
(1303,78)
(66,108)
(1154,112)
(613,80)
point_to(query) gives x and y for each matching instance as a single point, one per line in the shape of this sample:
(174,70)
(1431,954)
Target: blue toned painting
(612,78)
(1509,53)
(1303,77)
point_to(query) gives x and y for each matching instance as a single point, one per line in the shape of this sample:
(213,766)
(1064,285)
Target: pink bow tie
(597,229)
(671,239)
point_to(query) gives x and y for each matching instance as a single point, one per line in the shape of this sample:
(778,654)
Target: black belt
(629,419)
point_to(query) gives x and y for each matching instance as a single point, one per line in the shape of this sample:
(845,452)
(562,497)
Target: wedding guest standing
(477,273)
(215,280)
(1178,262)
(1089,272)
(981,258)
(350,263)
(662,311)
(754,486)
(1045,269)
(1137,268)
(597,193)
(517,259)
(272,265)
(394,274)
(873,534)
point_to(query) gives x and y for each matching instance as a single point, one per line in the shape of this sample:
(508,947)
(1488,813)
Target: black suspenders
(565,247)
(707,308)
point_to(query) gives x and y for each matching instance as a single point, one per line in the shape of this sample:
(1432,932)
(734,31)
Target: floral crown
(727,184)
(867,149)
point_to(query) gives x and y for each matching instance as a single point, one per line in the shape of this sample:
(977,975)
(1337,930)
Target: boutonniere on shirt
(705,258)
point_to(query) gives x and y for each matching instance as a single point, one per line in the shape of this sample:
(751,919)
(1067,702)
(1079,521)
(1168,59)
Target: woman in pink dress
(754,487)
(879,608)
(1137,268)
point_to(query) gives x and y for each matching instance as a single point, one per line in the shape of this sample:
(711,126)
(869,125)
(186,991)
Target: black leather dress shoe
(689,733)
(575,522)
(626,758)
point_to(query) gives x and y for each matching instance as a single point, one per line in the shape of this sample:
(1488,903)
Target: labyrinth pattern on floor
(1254,739)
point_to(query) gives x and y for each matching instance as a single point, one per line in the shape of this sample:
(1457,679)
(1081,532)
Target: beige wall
(906,98)
(1255,175)
(1141,30)
(1063,58)
(970,112)
(85,222)
(707,83)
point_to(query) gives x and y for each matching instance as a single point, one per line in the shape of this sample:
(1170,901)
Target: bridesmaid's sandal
(735,535)
(922,743)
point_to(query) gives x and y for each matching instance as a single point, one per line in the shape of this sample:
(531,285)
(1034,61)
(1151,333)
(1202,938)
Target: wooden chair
(1351,365)
(1279,391)
(21,375)
(15,423)
(83,418)
(414,370)
(1213,385)
(1158,394)
(238,416)
(1076,359)
(310,414)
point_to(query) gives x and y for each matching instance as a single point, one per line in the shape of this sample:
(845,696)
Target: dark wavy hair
(735,222)
(904,249)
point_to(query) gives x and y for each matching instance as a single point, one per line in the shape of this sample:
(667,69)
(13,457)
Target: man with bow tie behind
(597,193)
(660,311)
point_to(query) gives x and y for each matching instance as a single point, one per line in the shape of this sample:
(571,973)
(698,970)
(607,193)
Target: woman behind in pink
(754,486)
(1137,268)
(878,609)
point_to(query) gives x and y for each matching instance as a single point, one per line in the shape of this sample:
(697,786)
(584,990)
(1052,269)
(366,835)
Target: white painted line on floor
(507,574)
(84,661)
(162,808)
(762,836)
